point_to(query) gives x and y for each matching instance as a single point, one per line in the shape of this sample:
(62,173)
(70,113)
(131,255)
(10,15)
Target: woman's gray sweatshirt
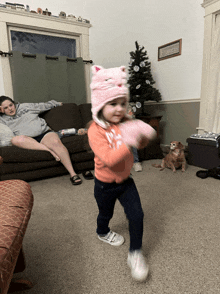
(26,121)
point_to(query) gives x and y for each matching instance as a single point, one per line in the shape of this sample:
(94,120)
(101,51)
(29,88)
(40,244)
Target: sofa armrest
(16,202)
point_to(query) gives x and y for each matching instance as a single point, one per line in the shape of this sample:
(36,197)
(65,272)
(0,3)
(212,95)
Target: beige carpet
(181,237)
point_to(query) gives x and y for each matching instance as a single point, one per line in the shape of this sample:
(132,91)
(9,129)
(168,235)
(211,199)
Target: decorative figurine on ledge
(16,6)
(62,14)
(46,12)
(71,17)
(39,11)
(85,20)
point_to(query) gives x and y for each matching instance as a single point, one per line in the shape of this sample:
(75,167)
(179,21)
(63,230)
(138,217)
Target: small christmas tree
(140,80)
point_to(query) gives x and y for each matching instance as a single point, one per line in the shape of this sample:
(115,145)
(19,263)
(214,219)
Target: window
(33,43)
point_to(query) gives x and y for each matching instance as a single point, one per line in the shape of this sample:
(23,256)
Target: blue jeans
(135,154)
(106,195)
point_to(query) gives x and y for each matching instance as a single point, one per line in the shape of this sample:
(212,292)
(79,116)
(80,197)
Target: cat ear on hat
(96,68)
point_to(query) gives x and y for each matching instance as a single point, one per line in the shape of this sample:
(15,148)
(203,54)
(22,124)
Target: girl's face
(115,110)
(7,107)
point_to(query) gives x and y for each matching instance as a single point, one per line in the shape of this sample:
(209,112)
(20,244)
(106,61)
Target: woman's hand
(61,103)
(82,131)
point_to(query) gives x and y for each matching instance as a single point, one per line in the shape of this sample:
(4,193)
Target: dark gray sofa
(29,165)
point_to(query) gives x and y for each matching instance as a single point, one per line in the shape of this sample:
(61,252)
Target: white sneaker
(139,268)
(137,166)
(112,238)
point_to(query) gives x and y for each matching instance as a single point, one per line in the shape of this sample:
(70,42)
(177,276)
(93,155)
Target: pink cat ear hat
(107,85)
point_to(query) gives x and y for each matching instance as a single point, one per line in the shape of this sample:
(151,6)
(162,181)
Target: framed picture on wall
(169,50)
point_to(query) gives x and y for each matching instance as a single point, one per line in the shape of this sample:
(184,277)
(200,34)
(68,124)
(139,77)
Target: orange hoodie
(113,159)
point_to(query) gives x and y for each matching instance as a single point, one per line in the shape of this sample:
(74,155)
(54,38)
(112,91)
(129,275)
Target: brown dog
(175,158)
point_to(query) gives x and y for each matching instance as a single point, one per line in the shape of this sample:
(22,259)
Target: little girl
(112,135)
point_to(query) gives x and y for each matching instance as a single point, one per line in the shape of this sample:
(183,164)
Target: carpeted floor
(181,237)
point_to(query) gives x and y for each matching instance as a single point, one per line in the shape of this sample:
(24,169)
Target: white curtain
(213,95)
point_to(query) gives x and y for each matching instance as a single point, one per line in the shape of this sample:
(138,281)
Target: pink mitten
(136,133)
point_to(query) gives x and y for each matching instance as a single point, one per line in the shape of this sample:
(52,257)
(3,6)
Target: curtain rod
(47,57)
(6,53)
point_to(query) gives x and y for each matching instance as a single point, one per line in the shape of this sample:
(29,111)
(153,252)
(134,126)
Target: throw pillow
(6,135)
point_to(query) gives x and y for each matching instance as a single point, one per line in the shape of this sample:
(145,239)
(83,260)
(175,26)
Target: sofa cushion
(6,135)
(63,117)
(76,143)
(86,113)
(17,155)
(13,154)
(11,167)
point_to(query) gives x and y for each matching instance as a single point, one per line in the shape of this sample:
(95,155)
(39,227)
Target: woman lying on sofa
(32,132)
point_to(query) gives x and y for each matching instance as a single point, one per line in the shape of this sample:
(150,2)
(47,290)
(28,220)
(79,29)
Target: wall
(116,25)
(179,120)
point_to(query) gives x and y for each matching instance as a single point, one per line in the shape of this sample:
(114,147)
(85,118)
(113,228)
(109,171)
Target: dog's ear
(180,145)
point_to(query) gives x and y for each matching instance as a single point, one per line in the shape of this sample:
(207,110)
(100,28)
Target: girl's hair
(3,98)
